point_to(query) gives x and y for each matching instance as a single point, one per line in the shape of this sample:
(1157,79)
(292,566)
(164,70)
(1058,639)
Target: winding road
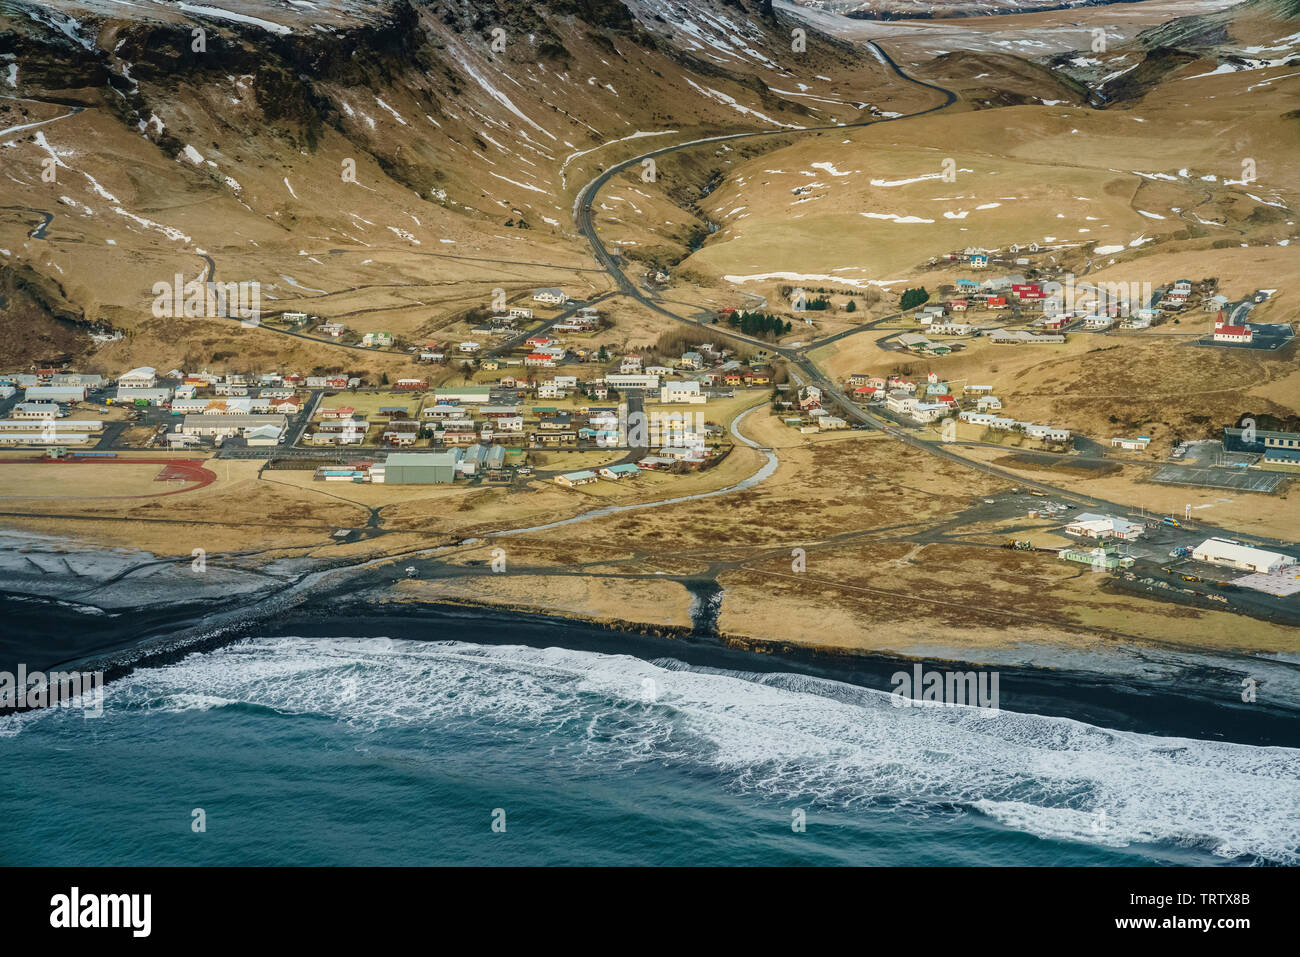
(810,373)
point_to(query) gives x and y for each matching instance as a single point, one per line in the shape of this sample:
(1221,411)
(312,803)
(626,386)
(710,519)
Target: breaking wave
(784,736)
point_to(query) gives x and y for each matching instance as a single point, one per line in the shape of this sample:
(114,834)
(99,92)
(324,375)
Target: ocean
(335,750)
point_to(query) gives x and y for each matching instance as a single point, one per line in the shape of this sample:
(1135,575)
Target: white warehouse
(1218,551)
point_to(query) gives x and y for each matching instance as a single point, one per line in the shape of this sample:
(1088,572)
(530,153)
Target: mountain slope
(384,136)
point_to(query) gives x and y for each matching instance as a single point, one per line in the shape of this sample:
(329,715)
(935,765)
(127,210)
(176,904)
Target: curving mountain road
(797,358)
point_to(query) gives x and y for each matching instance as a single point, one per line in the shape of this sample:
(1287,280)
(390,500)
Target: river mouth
(706,605)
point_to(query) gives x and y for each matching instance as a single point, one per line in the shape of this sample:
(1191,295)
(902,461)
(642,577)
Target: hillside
(371,159)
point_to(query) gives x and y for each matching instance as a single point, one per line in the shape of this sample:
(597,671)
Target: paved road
(808,372)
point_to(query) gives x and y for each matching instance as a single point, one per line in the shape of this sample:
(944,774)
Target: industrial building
(224,426)
(63,425)
(1246,558)
(421,468)
(55,393)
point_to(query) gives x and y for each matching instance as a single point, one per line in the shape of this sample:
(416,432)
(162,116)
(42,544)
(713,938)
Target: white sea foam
(784,735)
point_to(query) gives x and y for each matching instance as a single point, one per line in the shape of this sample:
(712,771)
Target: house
(995,302)
(332,329)
(412,385)
(469,347)
(987,403)
(1106,555)
(377,339)
(1046,433)
(1214,304)
(966,285)
(979,261)
(653,463)
(520,312)
(574,479)
(681,392)
(550,297)
(401,433)
(630,364)
(1098,322)
(957,305)
(951,328)
(539,360)
(145,377)
(616,472)
(1092,525)
(865,392)
(691,360)
(1138,444)
(810,397)
(988,420)
(828,423)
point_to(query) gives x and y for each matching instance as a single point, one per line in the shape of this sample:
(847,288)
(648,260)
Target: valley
(409,203)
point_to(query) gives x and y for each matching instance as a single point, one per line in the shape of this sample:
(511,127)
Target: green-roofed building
(421,468)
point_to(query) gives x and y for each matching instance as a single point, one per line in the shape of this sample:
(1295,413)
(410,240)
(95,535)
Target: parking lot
(1231,479)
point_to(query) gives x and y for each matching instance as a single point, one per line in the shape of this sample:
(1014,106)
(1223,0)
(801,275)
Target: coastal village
(498,412)
(530,401)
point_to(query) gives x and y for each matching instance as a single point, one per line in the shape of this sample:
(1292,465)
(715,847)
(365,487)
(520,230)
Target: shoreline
(1201,702)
